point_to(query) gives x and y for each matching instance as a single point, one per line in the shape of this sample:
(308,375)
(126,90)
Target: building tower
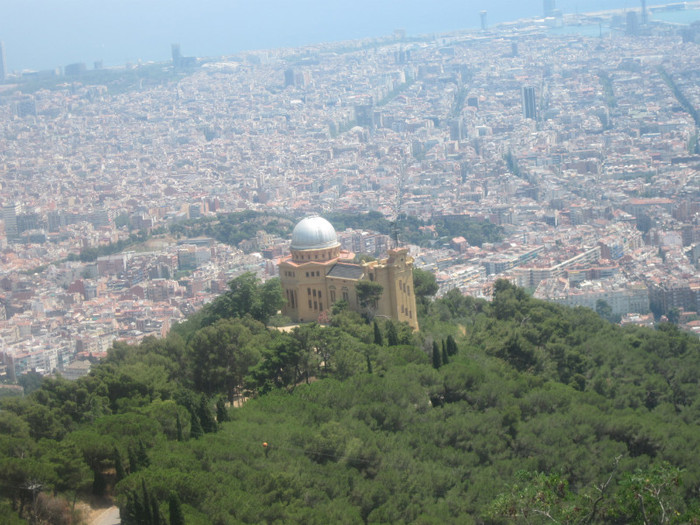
(529,104)
(176,54)
(364,114)
(3,67)
(644,12)
(289,77)
(9,215)
(484,25)
(548,7)
(632,27)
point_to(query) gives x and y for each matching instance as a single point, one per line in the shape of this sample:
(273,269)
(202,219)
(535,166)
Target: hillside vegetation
(232,228)
(514,411)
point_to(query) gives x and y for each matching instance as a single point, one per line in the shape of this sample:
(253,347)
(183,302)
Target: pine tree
(378,339)
(436,356)
(176,515)
(445,359)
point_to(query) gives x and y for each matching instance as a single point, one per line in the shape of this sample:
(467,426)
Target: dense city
(583,150)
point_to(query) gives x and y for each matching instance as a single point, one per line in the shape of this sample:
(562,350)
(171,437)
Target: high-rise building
(484,25)
(297,78)
(529,102)
(402,56)
(176,54)
(9,214)
(364,115)
(548,7)
(3,67)
(24,107)
(289,77)
(632,27)
(456,129)
(644,12)
(74,70)
(180,61)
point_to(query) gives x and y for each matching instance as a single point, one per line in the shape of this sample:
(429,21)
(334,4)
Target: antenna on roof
(394,234)
(398,202)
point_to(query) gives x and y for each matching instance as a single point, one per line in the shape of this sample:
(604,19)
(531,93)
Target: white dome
(314,233)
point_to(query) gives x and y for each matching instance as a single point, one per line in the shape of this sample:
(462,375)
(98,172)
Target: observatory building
(318,273)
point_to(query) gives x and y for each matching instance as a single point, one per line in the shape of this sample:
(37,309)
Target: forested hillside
(511,411)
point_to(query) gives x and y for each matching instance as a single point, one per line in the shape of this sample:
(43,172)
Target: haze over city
(333,262)
(45,34)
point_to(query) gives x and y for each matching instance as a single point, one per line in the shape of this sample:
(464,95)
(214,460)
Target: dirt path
(108,516)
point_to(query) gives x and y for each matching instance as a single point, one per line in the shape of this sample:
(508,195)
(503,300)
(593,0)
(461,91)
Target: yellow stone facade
(318,273)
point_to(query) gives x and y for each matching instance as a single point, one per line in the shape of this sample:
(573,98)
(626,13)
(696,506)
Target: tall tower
(529,104)
(484,25)
(9,215)
(176,54)
(548,7)
(3,67)
(364,114)
(632,27)
(644,12)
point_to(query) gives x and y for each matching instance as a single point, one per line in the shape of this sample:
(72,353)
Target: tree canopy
(510,411)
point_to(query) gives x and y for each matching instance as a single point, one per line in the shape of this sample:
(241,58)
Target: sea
(46,34)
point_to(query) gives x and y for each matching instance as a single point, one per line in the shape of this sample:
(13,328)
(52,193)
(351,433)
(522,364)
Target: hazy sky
(43,34)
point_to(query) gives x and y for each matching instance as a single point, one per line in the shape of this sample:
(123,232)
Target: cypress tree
(451,345)
(378,339)
(142,456)
(196,428)
(391,335)
(145,515)
(99,483)
(206,419)
(445,360)
(176,515)
(133,461)
(369,364)
(178,422)
(436,356)
(221,412)
(132,511)
(118,465)
(155,513)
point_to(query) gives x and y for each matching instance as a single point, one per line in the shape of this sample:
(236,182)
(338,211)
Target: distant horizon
(46,34)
